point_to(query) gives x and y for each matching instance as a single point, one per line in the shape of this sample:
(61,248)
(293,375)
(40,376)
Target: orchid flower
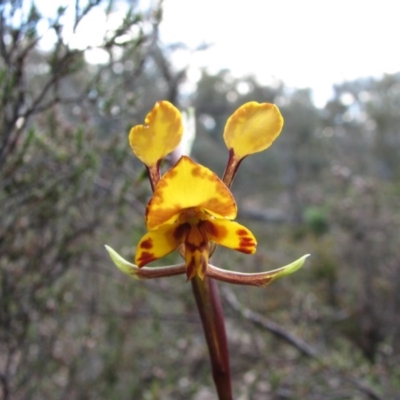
(192,210)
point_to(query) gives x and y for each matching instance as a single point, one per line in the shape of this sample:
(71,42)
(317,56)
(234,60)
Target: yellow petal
(158,243)
(188,185)
(230,234)
(160,134)
(252,128)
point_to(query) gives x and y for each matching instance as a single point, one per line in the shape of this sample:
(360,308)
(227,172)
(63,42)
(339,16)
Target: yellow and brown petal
(232,235)
(188,185)
(158,243)
(159,136)
(196,232)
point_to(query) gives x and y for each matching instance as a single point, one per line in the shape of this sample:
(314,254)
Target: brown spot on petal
(181,231)
(221,189)
(158,216)
(145,258)
(147,244)
(246,241)
(171,174)
(196,172)
(245,250)
(163,182)
(200,172)
(157,200)
(210,229)
(247,244)
(217,206)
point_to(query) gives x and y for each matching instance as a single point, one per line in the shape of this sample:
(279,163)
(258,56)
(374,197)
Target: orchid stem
(210,309)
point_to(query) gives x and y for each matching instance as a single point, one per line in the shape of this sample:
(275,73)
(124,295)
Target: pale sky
(306,43)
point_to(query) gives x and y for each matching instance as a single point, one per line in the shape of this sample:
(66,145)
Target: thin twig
(269,325)
(364,388)
(288,337)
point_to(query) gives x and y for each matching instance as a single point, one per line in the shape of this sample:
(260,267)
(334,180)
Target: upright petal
(158,243)
(252,128)
(160,134)
(188,185)
(230,234)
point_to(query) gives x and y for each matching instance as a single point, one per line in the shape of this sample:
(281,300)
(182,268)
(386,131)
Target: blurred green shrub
(316,219)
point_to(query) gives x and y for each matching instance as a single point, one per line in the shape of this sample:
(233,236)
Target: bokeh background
(75,76)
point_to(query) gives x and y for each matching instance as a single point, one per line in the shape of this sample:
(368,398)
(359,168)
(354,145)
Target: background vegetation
(72,327)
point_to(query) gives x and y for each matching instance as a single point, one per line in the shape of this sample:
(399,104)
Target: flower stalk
(209,305)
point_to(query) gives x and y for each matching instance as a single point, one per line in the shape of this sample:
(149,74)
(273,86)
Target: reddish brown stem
(154,175)
(231,168)
(210,309)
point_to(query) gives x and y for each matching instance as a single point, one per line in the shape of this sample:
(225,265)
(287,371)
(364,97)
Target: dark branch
(269,325)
